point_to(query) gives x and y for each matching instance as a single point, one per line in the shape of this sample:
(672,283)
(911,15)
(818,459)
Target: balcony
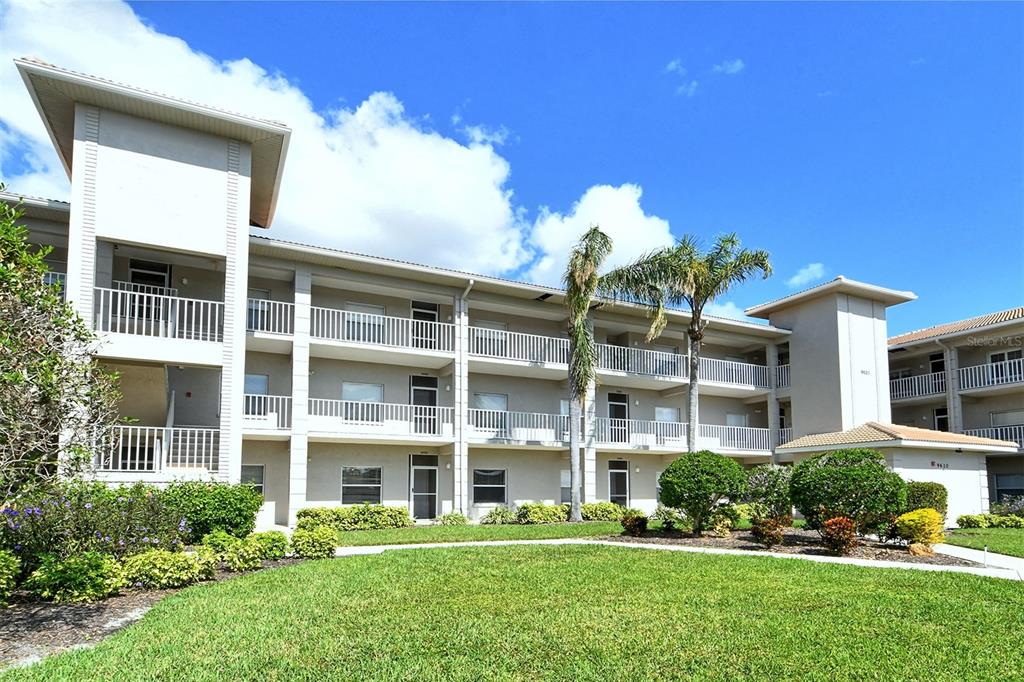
(994,377)
(782,376)
(785,435)
(348,421)
(269,325)
(494,351)
(266,417)
(635,434)
(347,335)
(641,368)
(1010,433)
(175,452)
(921,386)
(528,429)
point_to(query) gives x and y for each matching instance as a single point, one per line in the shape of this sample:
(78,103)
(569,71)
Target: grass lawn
(418,534)
(1001,540)
(567,612)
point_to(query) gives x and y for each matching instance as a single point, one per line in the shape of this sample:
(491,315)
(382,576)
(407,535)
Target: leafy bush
(357,517)
(244,555)
(537,512)
(921,526)
(207,562)
(698,481)
(672,518)
(214,506)
(160,569)
(839,534)
(767,531)
(10,568)
(989,521)
(850,483)
(273,544)
(722,520)
(768,491)
(314,543)
(634,522)
(601,511)
(499,516)
(83,577)
(1011,506)
(453,519)
(927,495)
(220,542)
(746,512)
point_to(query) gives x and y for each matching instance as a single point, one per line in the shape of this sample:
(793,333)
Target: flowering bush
(10,567)
(82,577)
(634,522)
(1011,506)
(273,544)
(214,506)
(839,534)
(499,516)
(453,519)
(601,511)
(314,543)
(159,569)
(921,526)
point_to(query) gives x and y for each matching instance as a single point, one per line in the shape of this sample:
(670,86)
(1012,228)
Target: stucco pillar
(954,405)
(590,444)
(772,357)
(298,451)
(81,272)
(460,403)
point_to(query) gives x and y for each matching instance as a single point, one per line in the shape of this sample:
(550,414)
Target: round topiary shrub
(920,527)
(767,531)
(927,495)
(244,555)
(698,481)
(854,484)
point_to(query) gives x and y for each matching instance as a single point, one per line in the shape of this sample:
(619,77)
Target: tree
(55,400)
(698,481)
(682,274)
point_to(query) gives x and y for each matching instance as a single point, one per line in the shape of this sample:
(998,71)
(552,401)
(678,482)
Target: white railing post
(141,313)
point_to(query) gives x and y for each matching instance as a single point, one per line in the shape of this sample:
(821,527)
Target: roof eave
(1006,448)
(949,335)
(884,295)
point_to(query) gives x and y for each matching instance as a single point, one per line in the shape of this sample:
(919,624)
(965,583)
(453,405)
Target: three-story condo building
(326,377)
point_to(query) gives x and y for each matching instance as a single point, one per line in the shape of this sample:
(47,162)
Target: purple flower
(146,539)
(17,548)
(120,542)
(88,505)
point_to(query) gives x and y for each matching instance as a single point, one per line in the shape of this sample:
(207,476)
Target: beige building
(327,377)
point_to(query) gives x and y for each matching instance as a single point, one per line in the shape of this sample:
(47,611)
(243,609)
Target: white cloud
(483,135)
(688,89)
(618,212)
(725,309)
(676,66)
(812,272)
(730,67)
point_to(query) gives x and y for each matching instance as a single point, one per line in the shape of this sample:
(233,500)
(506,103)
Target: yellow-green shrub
(10,566)
(159,569)
(314,543)
(922,526)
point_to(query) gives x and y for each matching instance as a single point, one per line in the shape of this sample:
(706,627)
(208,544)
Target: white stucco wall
(964,476)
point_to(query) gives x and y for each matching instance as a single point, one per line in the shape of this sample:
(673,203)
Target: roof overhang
(840,285)
(939,338)
(55,92)
(37,207)
(1008,449)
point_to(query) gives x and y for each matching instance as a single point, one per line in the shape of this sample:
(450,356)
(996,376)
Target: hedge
(359,517)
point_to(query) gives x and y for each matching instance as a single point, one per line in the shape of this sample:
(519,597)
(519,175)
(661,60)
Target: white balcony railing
(267,412)
(531,426)
(785,435)
(382,330)
(533,348)
(992,374)
(272,317)
(782,376)
(1011,433)
(143,314)
(734,437)
(730,372)
(121,285)
(640,433)
(640,361)
(918,386)
(349,417)
(155,448)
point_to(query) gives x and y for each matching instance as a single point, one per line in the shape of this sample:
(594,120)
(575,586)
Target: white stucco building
(329,377)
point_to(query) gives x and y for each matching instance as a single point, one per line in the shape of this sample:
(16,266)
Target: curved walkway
(992,571)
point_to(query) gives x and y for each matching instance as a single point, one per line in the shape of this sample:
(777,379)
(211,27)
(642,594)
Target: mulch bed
(797,541)
(33,629)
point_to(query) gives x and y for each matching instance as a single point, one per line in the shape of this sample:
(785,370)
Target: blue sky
(884,142)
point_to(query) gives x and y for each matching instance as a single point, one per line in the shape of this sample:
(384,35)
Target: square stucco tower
(839,335)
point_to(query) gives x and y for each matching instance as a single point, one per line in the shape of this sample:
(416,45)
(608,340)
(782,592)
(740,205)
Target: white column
(81,275)
(460,403)
(298,453)
(772,357)
(954,405)
(590,445)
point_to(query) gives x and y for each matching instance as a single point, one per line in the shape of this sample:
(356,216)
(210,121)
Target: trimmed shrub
(220,542)
(214,506)
(839,534)
(672,519)
(921,526)
(356,517)
(601,511)
(634,522)
(10,568)
(452,519)
(989,521)
(273,544)
(854,484)
(927,495)
(243,555)
(698,481)
(159,569)
(83,577)
(207,562)
(314,543)
(767,531)
(746,512)
(722,520)
(499,516)
(768,491)
(537,512)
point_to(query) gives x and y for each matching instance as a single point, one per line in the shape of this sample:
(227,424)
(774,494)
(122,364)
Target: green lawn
(567,612)
(1001,540)
(418,534)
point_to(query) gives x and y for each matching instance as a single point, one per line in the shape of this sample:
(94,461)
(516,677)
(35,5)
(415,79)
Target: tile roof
(873,432)
(958,326)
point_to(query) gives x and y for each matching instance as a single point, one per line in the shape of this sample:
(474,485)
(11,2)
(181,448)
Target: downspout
(465,292)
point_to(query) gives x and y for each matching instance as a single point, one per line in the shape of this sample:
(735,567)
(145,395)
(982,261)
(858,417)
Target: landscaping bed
(795,541)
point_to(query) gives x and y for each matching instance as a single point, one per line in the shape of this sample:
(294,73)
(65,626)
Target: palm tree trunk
(575,410)
(693,420)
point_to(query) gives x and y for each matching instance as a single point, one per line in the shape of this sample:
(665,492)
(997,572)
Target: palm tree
(681,274)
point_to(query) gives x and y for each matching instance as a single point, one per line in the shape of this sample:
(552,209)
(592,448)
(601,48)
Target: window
(253,473)
(488,486)
(362,402)
(902,373)
(941,417)
(1008,485)
(363,323)
(565,483)
(563,407)
(256,389)
(491,401)
(149,274)
(618,483)
(937,362)
(360,485)
(666,414)
(782,417)
(424,331)
(734,419)
(489,338)
(495,414)
(1007,418)
(256,309)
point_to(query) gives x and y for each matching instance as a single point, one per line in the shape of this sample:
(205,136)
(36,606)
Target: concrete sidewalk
(1006,572)
(988,559)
